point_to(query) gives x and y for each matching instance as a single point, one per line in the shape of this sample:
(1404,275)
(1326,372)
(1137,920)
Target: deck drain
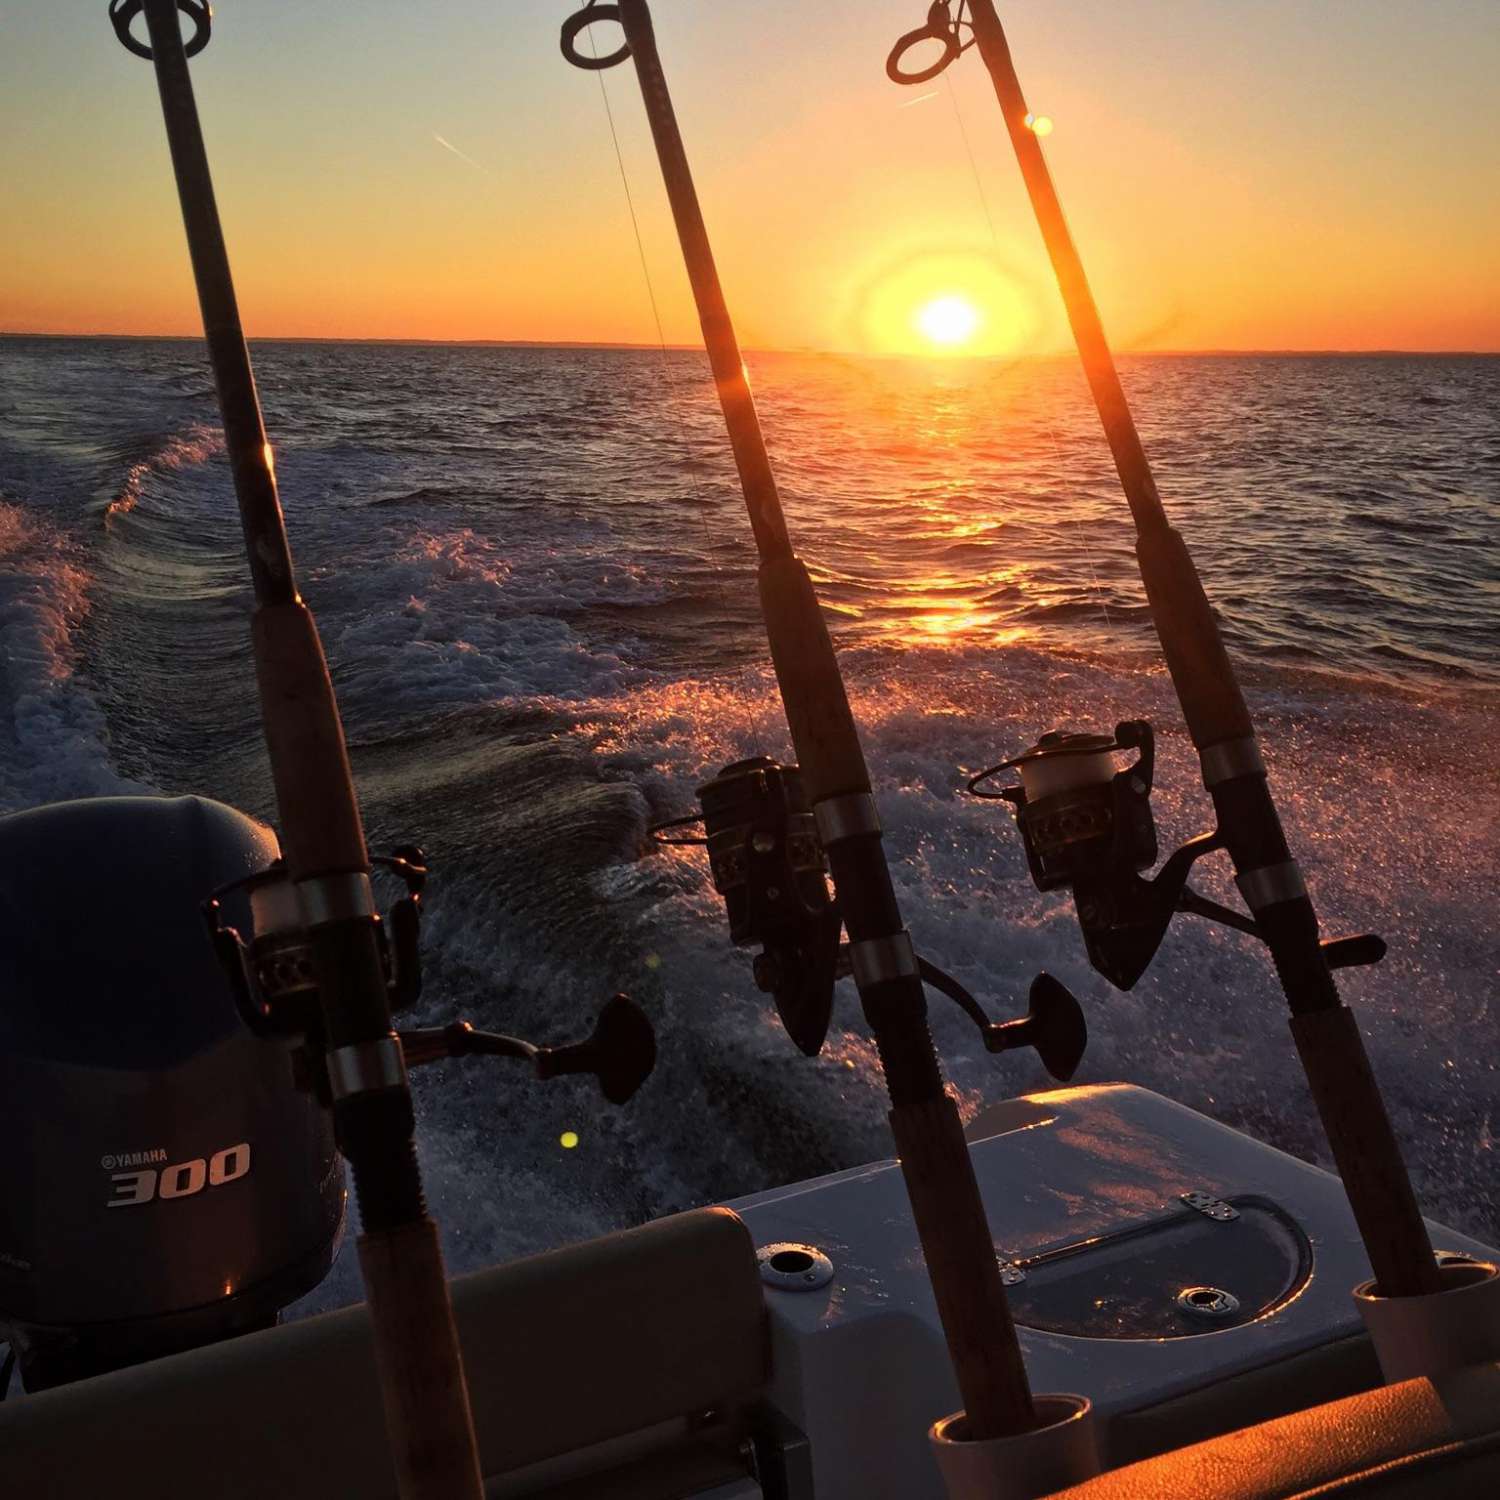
(1208,1302)
(794,1268)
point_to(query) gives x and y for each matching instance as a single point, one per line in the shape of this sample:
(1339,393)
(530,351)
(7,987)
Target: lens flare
(941,302)
(948,320)
(1039,124)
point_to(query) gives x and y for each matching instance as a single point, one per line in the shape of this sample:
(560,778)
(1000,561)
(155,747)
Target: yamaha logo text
(131,1159)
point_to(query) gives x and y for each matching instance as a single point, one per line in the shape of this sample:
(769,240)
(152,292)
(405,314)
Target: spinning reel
(276,989)
(1088,826)
(769,865)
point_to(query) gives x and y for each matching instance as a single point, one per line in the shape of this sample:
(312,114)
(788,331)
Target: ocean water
(534,580)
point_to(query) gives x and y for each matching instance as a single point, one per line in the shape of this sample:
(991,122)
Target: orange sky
(1238,175)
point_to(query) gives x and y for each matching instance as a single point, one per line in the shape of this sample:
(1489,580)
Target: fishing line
(700,498)
(661,338)
(984,201)
(989,219)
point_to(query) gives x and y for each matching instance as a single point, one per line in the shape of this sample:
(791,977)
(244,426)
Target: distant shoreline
(189,338)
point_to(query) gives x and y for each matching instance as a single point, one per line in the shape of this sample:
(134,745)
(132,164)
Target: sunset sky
(1251,174)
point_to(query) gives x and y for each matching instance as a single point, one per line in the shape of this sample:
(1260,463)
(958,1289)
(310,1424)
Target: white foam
(58,743)
(182,450)
(450,619)
(1386,828)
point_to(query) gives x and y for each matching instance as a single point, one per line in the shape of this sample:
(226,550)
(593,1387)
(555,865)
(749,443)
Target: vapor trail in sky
(462,156)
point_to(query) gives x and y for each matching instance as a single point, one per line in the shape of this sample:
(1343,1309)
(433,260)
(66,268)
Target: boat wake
(54,738)
(541,620)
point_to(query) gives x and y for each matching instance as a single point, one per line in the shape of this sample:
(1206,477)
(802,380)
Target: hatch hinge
(1210,1207)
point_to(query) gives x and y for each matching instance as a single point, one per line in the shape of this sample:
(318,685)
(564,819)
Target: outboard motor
(162,1182)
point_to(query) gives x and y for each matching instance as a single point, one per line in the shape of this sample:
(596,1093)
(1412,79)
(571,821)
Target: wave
(1407,525)
(181,450)
(54,739)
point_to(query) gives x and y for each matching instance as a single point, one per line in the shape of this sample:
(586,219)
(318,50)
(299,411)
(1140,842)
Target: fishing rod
(320,969)
(1086,826)
(772,831)
(427,1405)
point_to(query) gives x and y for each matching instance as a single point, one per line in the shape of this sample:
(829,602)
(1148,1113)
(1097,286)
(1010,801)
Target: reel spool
(1080,818)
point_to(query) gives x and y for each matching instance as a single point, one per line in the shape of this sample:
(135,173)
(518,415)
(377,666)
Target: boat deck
(1085,1189)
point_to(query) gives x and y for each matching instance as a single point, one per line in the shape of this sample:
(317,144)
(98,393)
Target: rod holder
(1063,1450)
(1435,1332)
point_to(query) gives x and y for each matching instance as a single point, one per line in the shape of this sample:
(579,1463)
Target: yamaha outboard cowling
(162,1183)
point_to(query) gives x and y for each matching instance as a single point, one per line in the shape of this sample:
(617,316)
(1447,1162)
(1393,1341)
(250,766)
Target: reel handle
(1053,1025)
(620,1053)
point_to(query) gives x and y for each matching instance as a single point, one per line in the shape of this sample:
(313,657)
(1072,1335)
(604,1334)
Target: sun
(944,305)
(949,320)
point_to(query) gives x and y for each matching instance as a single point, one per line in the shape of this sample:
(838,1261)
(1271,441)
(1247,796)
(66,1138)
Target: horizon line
(1219,351)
